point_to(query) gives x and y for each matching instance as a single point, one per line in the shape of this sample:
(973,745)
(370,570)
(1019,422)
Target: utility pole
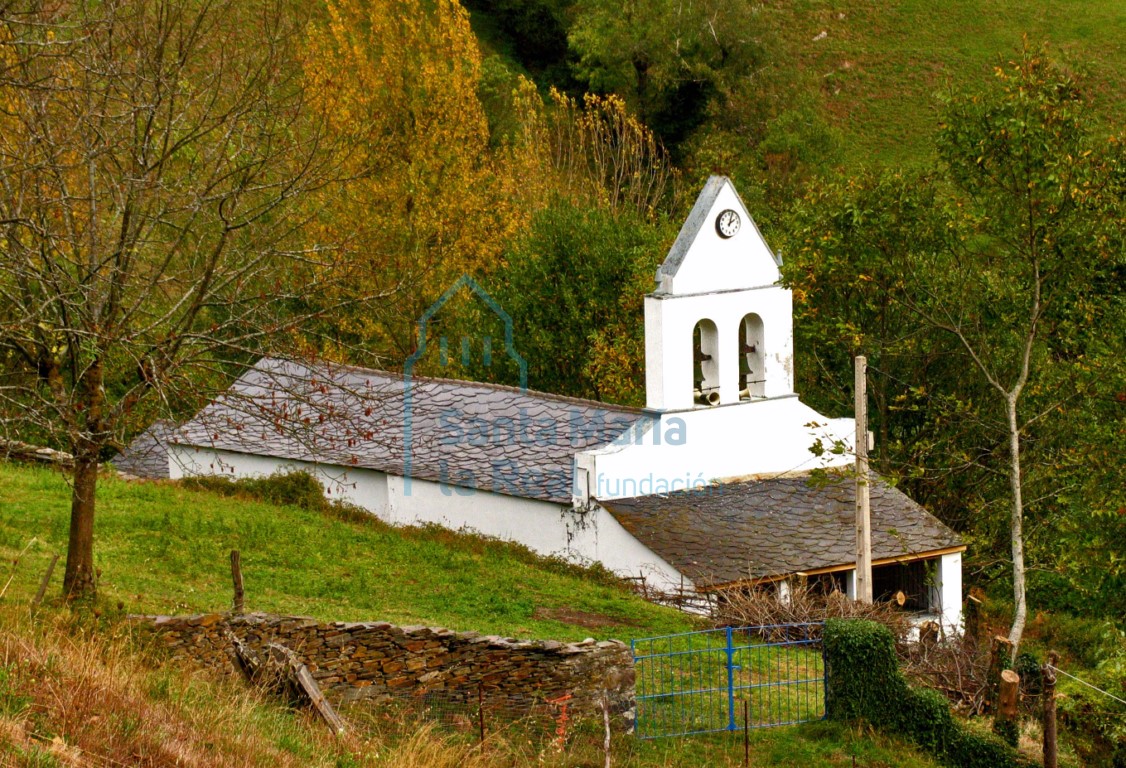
(863,512)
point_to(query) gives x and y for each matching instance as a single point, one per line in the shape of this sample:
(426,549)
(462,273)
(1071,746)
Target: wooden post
(238,605)
(295,678)
(998,654)
(1005,724)
(43,584)
(863,513)
(1050,749)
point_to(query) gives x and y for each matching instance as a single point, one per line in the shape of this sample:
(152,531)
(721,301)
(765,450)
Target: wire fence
(727,679)
(547,721)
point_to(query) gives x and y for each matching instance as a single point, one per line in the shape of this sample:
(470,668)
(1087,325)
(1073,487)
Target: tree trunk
(78,581)
(1020,606)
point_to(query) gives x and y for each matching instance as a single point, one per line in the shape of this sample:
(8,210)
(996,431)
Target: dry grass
(75,694)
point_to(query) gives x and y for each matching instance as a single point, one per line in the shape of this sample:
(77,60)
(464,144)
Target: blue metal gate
(701,682)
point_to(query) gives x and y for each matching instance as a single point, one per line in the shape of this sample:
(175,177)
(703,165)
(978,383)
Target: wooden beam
(903,559)
(43,584)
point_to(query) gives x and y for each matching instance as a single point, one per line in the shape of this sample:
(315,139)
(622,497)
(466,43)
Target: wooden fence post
(747,733)
(43,584)
(1006,724)
(998,656)
(1050,749)
(238,605)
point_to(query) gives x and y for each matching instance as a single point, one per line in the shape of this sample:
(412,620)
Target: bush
(1092,723)
(285,487)
(1081,640)
(863,682)
(864,647)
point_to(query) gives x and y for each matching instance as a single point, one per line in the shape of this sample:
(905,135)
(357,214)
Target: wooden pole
(1051,759)
(1005,724)
(238,605)
(43,584)
(863,513)
(606,725)
(999,651)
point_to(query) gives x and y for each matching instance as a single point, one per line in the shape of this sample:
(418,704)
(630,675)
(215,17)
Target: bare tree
(1032,237)
(158,162)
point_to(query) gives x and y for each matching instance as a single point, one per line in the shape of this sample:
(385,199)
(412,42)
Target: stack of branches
(683,597)
(804,604)
(958,666)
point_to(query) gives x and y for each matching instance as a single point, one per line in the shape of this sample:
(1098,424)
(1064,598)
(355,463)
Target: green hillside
(881,66)
(164,549)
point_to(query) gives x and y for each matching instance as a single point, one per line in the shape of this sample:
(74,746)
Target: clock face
(727,223)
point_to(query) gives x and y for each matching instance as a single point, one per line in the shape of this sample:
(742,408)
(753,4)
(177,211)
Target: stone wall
(374,660)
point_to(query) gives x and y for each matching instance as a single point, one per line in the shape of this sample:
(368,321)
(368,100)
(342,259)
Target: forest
(185,187)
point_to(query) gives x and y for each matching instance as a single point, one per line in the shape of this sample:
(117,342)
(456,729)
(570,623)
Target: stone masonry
(377,660)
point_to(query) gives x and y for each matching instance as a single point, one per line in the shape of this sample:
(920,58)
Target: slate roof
(775,526)
(481,436)
(147,455)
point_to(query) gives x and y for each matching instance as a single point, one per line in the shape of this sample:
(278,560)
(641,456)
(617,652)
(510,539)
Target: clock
(727,223)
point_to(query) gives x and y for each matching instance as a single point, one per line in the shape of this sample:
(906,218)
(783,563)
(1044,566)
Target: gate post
(824,675)
(730,680)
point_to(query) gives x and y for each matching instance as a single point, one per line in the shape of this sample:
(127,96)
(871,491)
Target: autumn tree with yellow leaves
(426,199)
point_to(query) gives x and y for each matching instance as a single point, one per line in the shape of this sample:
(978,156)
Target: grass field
(164,549)
(73,690)
(880,66)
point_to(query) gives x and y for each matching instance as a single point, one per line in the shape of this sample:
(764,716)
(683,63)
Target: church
(724,480)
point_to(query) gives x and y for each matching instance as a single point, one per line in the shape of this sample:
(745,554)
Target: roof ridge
(461,382)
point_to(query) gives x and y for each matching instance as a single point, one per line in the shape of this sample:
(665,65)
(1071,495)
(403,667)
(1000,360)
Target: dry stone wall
(374,660)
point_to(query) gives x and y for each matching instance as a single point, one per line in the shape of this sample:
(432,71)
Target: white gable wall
(550,529)
(701,261)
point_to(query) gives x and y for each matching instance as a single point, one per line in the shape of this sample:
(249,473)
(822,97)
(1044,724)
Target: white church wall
(364,487)
(542,526)
(685,450)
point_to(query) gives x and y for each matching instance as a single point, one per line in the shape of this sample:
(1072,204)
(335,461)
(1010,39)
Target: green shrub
(863,682)
(851,646)
(1079,639)
(286,486)
(1091,722)
(924,716)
